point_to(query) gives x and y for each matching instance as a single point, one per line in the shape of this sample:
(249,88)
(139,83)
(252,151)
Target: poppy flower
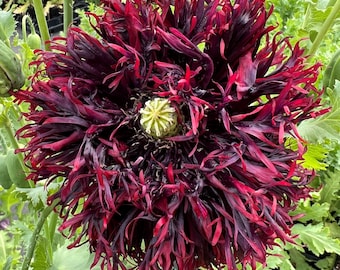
(170,132)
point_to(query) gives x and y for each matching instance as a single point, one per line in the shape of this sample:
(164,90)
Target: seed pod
(15,171)
(332,71)
(5,180)
(11,75)
(34,41)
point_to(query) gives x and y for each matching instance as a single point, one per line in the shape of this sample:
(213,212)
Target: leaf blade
(316,238)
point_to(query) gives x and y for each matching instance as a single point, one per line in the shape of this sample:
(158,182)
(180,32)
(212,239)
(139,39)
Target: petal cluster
(214,191)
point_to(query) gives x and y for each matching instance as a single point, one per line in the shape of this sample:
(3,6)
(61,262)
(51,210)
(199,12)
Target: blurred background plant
(317,22)
(28,228)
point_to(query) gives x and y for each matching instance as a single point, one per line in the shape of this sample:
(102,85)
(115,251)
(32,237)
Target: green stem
(68,14)
(42,23)
(50,228)
(47,236)
(23,27)
(54,219)
(10,134)
(23,24)
(323,31)
(34,237)
(53,225)
(15,145)
(307,14)
(17,113)
(3,246)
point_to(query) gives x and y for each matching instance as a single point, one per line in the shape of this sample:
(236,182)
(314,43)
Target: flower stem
(42,23)
(26,18)
(3,246)
(23,27)
(68,14)
(10,135)
(33,241)
(323,31)
(53,225)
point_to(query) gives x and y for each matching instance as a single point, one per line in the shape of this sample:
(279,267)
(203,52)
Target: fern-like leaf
(317,238)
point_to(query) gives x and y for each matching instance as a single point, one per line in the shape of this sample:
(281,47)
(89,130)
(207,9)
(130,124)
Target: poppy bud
(34,41)
(11,75)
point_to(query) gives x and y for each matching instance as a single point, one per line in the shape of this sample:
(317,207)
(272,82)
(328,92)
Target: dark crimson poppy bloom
(170,132)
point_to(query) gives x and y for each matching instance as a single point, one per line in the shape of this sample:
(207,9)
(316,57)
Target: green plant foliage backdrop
(318,228)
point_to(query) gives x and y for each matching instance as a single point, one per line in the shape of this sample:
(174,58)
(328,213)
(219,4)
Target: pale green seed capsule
(158,118)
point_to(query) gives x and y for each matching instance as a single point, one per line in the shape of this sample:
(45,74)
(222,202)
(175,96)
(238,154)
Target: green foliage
(11,75)
(12,242)
(324,264)
(7,25)
(23,229)
(316,14)
(299,260)
(318,229)
(65,259)
(332,72)
(42,258)
(280,258)
(302,20)
(331,187)
(86,20)
(317,238)
(15,169)
(327,126)
(5,180)
(8,263)
(7,200)
(312,211)
(3,251)
(314,157)
(38,194)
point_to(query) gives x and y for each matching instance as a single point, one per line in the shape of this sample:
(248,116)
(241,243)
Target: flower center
(158,118)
